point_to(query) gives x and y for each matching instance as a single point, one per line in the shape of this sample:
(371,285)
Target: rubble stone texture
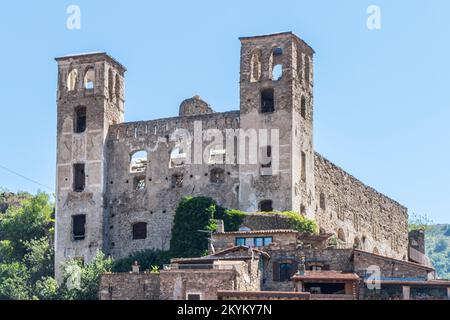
(120,192)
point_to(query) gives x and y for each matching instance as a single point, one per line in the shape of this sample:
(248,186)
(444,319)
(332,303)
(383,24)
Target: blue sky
(381,97)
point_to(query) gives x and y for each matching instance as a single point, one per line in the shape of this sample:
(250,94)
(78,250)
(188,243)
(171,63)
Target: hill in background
(437,244)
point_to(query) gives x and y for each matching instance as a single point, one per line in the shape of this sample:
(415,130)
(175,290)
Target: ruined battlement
(119,183)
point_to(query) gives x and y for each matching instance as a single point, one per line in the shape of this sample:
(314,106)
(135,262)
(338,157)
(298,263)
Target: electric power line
(26,178)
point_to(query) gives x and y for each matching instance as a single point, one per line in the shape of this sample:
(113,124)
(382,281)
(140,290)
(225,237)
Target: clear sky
(381,96)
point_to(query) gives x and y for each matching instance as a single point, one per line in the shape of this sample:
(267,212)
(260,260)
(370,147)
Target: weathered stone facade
(129,286)
(359,215)
(105,195)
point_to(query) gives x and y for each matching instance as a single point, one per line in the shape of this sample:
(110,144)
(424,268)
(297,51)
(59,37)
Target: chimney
(135,268)
(302,266)
(220,226)
(417,240)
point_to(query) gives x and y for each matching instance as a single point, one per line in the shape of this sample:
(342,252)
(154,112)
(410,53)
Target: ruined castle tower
(119,183)
(90,98)
(276,93)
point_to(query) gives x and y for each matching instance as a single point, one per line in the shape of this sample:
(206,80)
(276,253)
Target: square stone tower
(90,98)
(276,93)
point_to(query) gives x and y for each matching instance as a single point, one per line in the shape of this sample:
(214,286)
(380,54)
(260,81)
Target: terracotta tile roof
(257,232)
(326,275)
(440,283)
(217,255)
(264,294)
(396,260)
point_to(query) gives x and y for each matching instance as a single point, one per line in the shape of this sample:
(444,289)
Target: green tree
(14,282)
(39,259)
(146,260)
(193,218)
(81,282)
(419,222)
(441,246)
(31,220)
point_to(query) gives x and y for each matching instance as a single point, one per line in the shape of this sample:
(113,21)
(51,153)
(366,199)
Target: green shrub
(81,282)
(298,222)
(146,259)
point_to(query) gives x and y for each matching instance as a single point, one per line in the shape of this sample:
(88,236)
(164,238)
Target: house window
(80,120)
(139,183)
(259,242)
(267,101)
(79,177)
(139,231)
(266,206)
(139,161)
(286,272)
(303,108)
(194,296)
(240,241)
(268,241)
(79,227)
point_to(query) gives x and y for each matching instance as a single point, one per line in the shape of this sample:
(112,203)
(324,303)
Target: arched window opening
(111,84)
(303,165)
(89,79)
(266,206)
(72,80)
(255,66)
(177,158)
(299,64)
(80,120)
(267,101)
(277,72)
(217,176)
(118,87)
(307,70)
(341,235)
(139,162)
(139,231)
(303,108)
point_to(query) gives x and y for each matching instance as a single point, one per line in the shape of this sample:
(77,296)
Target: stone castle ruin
(118,183)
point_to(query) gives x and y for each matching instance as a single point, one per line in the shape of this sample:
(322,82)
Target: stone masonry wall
(359,215)
(157,202)
(390,268)
(129,286)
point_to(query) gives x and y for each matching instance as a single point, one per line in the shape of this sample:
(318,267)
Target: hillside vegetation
(438,248)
